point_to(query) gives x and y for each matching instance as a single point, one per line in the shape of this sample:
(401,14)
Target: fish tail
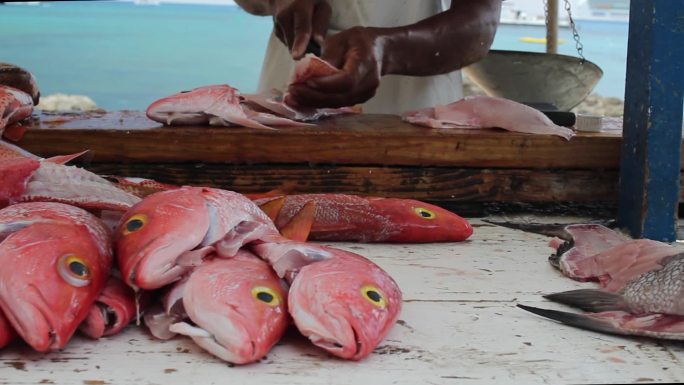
(576,320)
(591,300)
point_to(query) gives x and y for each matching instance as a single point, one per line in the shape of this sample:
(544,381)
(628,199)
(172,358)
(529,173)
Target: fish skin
(27,178)
(114,308)
(229,320)
(43,301)
(7,333)
(597,253)
(487,112)
(15,106)
(643,284)
(343,217)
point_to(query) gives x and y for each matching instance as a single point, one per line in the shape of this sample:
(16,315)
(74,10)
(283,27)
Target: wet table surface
(459,324)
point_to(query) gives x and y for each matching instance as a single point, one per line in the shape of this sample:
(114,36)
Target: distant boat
(537,40)
(603,10)
(147,2)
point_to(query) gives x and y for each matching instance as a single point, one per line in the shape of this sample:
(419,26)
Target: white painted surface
(459,325)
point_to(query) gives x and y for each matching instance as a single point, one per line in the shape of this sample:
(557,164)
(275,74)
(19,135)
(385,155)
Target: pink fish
(60,257)
(342,217)
(248,317)
(114,308)
(15,106)
(21,79)
(344,304)
(599,254)
(164,236)
(487,112)
(29,179)
(275,102)
(216,105)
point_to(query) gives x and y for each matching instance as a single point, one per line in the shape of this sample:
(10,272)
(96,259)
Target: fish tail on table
(576,320)
(589,300)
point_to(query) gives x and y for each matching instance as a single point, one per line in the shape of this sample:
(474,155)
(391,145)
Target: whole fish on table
(163,237)
(642,284)
(344,217)
(60,257)
(236,308)
(28,178)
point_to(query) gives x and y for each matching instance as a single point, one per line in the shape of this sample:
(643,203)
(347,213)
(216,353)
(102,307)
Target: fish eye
(424,213)
(374,295)
(74,270)
(134,223)
(267,295)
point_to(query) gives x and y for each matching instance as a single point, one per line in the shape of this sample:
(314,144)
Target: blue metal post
(652,136)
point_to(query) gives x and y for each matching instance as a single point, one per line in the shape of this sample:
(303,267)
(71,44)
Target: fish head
(345,304)
(52,273)
(238,306)
(155,232)
(189,107)
(421,222)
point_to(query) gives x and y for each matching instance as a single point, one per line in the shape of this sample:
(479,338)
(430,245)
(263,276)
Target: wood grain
(438,184)
(347,140)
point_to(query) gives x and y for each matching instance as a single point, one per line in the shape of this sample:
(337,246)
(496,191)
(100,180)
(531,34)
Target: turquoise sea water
(125,56)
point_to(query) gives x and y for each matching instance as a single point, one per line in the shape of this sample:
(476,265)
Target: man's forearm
(255,7)
(442,43)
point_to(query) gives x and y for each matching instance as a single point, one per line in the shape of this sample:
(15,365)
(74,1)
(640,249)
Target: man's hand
(358,52)
(296,22)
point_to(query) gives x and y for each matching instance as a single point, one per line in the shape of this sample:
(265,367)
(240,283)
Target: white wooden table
(459,325)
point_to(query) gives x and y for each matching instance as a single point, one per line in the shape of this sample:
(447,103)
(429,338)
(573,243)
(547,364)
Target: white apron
(396,93)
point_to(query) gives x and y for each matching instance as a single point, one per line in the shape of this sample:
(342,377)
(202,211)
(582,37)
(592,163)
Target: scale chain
(575,34)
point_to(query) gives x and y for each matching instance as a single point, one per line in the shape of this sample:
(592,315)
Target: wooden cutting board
(350,140)
(357,154)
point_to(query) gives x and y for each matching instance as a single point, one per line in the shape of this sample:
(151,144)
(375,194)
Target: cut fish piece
(487,112)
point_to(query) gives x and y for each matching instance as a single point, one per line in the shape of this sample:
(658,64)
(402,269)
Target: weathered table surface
(459,324)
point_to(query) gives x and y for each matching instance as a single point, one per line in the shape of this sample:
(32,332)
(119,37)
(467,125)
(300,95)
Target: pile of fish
(642,283)
(18,94)
(230,272)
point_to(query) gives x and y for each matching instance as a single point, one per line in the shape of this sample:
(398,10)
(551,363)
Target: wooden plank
(651,152)
(349,140)
(459,324)
(443,184)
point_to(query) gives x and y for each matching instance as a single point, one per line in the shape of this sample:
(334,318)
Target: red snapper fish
(487,112)
(60,257)
(642,284)
(242,323)
(341,301)
(163,237)
(15,106)
(342,217)
(28,178)
(114,308)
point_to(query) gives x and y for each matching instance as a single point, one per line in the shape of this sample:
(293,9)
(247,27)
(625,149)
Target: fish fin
(299,227)
(62,159)
(272,208)
(591,300)
(576,320)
